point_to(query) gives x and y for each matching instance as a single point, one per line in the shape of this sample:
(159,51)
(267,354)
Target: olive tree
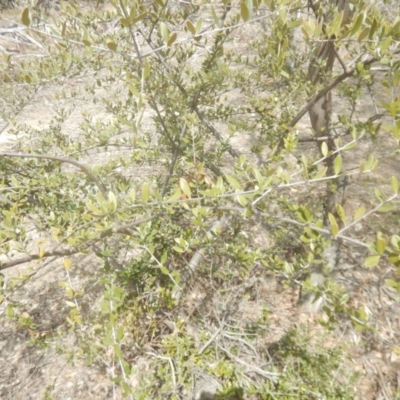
(193,131)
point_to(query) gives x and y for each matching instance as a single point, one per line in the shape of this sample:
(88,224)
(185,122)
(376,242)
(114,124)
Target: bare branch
(85,169)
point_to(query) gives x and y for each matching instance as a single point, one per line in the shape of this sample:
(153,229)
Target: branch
(340,78)
(25,259)
(86,170)
(68,252)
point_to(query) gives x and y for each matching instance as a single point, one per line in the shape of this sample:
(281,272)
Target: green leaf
(385,44)
(373,29)
(242,200)
(378,194)
(244,11)
(26,17)
(178,249)
(132,195)
(233,181)
(337,164)
(380,246)
(164,270)
(395,241)
(96,211)
(145,192)
(364,33)
(387,207)
(113,200)
(334,229)
(164,31)
(357,24)
(395,184)
(172,39)
(349,146)
(321,173)
(191,27)
(393,284)
(120,333)
(139,18)
(372,261)
(125,22)
(334,224)
(164,257)
(359,213)
(294,24)
(324,149)
(199,26)
(214,15)
(184,185)
(340,211)
(112,46)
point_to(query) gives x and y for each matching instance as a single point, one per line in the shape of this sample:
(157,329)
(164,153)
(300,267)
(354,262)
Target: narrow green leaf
(164,31)
(172,39)
(113,200)
(244,11)
(178,249)
(125,22)
(199,26)
(373,29)
(387,207)
(164,270)
(359,213)
(215,17)
(249,4)
(147,69)
(132,195)
(145,192)
(393,284)
(93,208)
(340,211)
(139,18)
(385,44)
(337,164)
(395,184)
(321,173)
(295,23)
(242,200)
(133,90)
(26,17)
(349,146)
(334,224)
(395,241)
(233,181)
(334,229)
(364,33)
(380,245)
(164,257)
(378,194)
(184,185)
(120,333)
(191,27)
(324,149)
(357,24)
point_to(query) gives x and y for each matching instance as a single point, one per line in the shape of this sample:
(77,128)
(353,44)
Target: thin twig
(85,169)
